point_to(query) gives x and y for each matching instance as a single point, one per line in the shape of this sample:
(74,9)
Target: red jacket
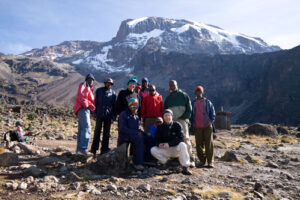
(152,106)
(84,98)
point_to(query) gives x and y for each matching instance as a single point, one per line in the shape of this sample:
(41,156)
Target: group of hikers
(165,133)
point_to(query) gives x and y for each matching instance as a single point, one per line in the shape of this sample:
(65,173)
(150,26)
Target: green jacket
(179,102)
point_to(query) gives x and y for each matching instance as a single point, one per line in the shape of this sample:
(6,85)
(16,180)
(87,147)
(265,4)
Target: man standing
(129,131)
(152,107)
(169,141)
(180,104)
(84,104)
(145,89)
(105,100)
(125,95)
(203,116)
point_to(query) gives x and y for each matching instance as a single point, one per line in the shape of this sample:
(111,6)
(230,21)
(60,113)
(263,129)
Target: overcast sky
(27,24)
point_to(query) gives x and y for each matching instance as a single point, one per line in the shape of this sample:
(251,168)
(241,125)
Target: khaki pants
(204,144)
(179,151)
(185,129)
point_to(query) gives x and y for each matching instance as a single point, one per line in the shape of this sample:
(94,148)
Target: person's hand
(161,146)
(166,145)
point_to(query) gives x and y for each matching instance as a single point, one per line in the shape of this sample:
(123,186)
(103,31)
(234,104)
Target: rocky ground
(246,166)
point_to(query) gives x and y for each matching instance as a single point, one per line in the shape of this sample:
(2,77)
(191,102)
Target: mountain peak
(169,35)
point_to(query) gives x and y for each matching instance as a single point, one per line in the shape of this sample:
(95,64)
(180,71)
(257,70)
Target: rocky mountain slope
(26,80)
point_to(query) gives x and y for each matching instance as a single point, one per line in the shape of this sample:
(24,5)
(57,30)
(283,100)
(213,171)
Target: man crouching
(170,143)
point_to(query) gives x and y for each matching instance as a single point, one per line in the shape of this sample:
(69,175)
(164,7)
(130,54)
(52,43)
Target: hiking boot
(104,151)
(82,153)
(139,167)
(192,161)
(163,167)
(94,153)
(201,165)
(210,165)
(185,171)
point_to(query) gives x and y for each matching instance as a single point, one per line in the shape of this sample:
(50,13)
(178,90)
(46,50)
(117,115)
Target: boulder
(34,171)
(144,187)
(229,156)
(114,162)
(48,161)
(9,159)
(261,130)
(283,131)
(30,149)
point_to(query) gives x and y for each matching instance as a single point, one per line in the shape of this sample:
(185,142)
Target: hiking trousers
(180,151)
(84,130)
(106,124)
(204,144)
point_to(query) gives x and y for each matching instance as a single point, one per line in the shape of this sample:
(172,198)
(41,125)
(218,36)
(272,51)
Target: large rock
(48,161)
(261,129)
(230,156)
(8,159)
(30,149)
(114,162)
(34,171)
(283,131)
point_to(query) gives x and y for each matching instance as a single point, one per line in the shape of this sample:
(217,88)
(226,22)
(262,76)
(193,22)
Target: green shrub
(32,116)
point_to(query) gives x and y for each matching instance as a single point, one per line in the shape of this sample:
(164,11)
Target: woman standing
(84,104)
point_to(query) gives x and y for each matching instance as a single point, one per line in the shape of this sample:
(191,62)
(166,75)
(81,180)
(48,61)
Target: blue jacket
(105,102)
(128,125)
(209,108)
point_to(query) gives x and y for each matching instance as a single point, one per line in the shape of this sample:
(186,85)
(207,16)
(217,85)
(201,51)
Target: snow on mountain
(138,41)
(184,36)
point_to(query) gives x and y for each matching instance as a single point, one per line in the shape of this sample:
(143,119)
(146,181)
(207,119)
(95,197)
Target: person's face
(137,90)
(158,122)
(145,84)
(108,85)
(168,118)
(134,108)
(131,86)
(173,86)
(90,81)
(198,93)
(152,90)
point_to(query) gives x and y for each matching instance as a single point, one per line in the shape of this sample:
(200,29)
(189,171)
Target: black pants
(106,123)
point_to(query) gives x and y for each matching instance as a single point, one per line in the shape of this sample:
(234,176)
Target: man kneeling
(169,141)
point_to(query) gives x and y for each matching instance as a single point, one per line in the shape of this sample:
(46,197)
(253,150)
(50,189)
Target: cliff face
(255,88)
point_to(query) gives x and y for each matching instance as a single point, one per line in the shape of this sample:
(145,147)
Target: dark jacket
(105,102)
(122,100)
(171,134)
(128,124)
